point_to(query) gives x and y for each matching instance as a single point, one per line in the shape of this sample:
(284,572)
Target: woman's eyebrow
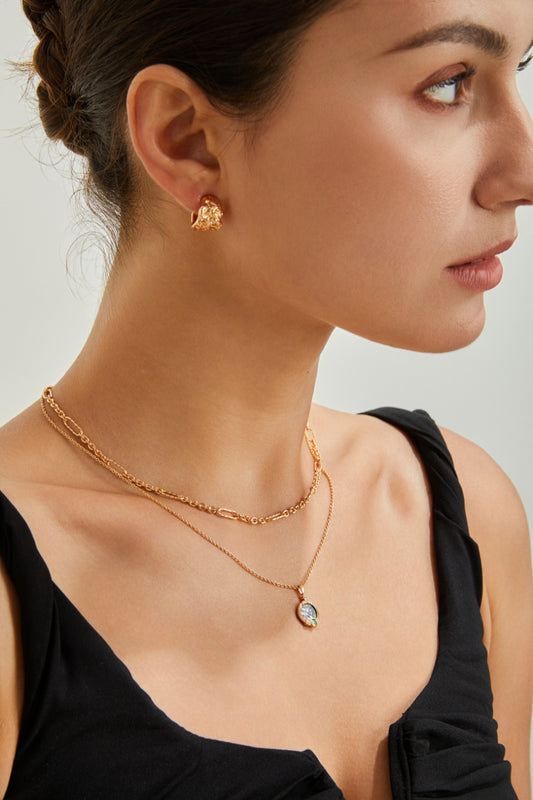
(486,39)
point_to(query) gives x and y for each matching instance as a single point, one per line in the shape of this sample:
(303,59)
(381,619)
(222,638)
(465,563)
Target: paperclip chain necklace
(306,611)
(225,513)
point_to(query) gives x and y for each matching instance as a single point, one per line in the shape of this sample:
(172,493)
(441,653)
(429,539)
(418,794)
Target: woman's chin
(450,337)
(447,337)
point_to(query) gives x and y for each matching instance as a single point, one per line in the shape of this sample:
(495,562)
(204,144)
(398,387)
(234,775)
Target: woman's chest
(336,695)
(231,662)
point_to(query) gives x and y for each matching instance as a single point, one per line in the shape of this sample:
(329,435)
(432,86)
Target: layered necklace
(306,612)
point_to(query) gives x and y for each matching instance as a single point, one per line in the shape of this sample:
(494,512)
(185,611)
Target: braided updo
(59,109)
(237,51)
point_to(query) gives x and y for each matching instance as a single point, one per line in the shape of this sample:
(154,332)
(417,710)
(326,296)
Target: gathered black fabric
(89,732)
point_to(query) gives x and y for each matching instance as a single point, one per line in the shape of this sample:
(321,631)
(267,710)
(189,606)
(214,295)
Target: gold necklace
(217,511)
(306,612)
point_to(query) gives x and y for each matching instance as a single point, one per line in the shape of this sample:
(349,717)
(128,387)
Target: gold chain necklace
(306,611)
(225,513)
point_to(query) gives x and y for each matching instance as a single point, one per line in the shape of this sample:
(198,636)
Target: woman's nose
(507,179)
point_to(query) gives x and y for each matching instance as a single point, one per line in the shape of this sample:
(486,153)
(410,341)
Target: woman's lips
(483,272)
(480,275)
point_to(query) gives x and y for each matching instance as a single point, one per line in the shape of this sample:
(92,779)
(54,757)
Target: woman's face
(402,148)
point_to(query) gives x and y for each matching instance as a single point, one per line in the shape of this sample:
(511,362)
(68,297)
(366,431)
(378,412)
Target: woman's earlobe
(165,125)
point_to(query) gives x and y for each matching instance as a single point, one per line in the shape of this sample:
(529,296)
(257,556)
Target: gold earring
(209,216)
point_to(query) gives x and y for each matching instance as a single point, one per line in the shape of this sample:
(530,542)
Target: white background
(484,392)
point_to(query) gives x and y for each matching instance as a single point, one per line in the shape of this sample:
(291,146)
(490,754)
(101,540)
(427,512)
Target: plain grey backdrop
(484,392)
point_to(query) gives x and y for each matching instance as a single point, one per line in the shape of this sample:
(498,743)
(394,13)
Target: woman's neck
(192,383)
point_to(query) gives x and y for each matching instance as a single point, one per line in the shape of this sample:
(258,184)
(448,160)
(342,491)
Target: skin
(206,347)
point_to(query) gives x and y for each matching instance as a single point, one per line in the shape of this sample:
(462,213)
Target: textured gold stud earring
(209,216)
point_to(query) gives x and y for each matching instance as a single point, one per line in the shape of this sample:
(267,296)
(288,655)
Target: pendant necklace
(306,612)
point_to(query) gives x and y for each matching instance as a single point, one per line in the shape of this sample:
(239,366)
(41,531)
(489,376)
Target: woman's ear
(168,116)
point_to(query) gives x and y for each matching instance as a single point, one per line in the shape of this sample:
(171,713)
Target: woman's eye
(525,63)
(447,91)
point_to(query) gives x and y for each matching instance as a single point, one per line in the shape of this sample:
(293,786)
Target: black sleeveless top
(89,732)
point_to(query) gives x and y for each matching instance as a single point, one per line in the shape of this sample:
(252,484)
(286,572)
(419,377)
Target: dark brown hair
(237,52)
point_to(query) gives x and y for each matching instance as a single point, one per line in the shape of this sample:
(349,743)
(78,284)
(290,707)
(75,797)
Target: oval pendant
(307,614)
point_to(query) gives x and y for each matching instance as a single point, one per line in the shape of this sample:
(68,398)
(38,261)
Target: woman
(345,164)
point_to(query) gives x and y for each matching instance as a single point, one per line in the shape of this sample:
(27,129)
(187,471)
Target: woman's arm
(11,677)
(498,523)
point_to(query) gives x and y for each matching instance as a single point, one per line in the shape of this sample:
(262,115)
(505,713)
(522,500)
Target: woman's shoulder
(21,446)
(495,513)
(490,496)
(404,447)
(381,431)
(34,460)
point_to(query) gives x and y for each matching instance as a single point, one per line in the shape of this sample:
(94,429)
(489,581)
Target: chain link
(225,513)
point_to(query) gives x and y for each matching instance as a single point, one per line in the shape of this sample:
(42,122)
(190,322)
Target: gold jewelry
(209,215)
(306,612)
(225,513)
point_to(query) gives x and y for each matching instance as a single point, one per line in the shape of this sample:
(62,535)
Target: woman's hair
(236,51)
